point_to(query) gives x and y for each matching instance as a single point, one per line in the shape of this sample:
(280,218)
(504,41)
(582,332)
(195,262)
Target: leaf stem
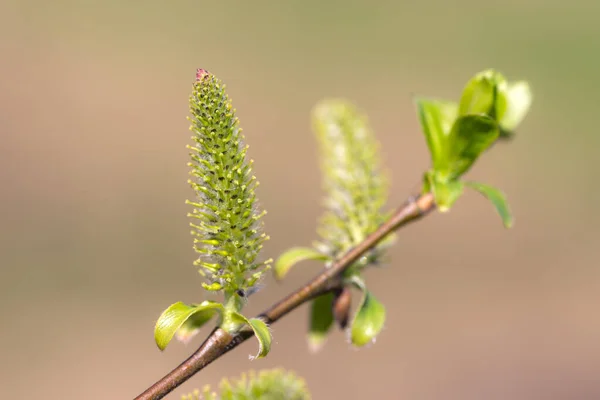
(220,342)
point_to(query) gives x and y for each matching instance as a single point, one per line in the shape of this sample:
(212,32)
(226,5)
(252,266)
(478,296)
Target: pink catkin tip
(201,74)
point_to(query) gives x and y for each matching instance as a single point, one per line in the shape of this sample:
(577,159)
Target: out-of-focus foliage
(275,384)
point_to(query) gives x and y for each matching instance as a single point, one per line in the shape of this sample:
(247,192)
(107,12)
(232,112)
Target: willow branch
(220,342)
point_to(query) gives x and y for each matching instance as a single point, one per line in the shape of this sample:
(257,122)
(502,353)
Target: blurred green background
(94,237)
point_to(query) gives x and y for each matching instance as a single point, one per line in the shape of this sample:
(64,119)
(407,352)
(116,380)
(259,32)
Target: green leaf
(369,320)
(498,200)
(436,118)
(321,320)
(192,325)
(519,98)
(293,256)
(484,94)
(445,193)
(471,135)
(261,331)
(175,316)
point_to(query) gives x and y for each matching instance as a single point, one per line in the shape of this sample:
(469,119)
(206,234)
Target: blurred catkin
(355,188)
(266,385)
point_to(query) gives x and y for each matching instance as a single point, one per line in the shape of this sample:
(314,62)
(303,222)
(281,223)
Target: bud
(342,301)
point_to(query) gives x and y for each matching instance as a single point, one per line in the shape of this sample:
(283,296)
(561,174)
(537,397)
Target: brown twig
(220,342)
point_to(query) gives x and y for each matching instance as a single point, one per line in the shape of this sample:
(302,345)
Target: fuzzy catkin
(227,225)
(355,188)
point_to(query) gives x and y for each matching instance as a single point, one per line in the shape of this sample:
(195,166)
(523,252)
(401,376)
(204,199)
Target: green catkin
(355,188)
(226,221)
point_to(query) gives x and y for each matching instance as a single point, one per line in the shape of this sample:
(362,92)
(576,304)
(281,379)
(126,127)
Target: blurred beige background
(94,237)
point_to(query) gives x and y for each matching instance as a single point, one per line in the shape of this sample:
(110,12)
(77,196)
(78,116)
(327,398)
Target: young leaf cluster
(458,133)
(355,193)
(226,221)
(266,385)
